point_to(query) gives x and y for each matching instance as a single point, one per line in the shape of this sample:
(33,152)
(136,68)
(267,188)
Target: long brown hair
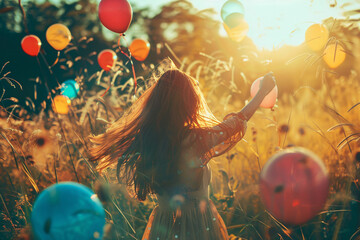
(146,142)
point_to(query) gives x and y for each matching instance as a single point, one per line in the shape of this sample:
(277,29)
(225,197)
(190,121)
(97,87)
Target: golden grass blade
(172,53)
(346,139)
(353,107)
(28,175)
(340,126)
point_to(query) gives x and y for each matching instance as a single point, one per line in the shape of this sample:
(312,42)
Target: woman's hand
(267,84)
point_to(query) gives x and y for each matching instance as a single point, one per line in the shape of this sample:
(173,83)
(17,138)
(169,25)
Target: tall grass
(51,148)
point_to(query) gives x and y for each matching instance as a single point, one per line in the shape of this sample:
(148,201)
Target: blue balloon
(67,211)
(230,7)
(70,88)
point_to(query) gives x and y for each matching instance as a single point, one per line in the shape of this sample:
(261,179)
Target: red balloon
(31,45)
(106,59)
(115,15)
(294,185)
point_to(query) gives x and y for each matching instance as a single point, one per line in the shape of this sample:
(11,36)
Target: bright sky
(273,23)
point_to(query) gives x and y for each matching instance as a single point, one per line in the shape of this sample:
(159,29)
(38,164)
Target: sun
(275,23)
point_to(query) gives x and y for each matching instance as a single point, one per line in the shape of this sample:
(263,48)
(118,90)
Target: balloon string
(102,95)
(129,57)
(44,77)
(56,60)
(24,17)
(49,67)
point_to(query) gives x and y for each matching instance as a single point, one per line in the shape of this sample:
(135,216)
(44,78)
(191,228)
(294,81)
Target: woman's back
(187,212)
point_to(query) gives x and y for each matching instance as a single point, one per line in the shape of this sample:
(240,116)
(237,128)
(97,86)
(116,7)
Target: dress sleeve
(222,137)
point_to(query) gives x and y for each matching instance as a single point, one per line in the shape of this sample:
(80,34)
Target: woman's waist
(184,200)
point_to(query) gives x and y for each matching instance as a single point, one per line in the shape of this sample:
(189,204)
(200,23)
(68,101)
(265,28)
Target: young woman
(162,146)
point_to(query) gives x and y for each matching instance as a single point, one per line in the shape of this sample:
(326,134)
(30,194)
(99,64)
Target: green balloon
(234,20)
(231,7)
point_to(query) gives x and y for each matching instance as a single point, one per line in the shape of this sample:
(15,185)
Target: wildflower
(41,144)
(301,131)
(42,141)
(254,132)
(284,128)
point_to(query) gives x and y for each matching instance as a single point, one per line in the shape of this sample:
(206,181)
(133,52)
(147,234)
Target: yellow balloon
(61,104)
(237,33)
(334,55)
(316,36)
(58,36)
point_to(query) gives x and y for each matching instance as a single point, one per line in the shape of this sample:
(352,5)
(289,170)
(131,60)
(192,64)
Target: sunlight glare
(273,24)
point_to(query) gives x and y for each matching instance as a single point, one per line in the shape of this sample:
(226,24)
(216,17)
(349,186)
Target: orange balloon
(316,36)
(334,55)
(139,49)
(61,104)
(107,59)
(270,99)
(239,32)
(31,45)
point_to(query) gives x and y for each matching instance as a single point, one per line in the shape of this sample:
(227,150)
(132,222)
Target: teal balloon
(230,7)
(234,20)
(67,211)
(70,88)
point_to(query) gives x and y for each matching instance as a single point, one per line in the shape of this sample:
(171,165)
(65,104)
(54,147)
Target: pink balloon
(294,185)
(115,15)
(270,99)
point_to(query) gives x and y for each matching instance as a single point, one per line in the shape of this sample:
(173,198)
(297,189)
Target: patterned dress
(191,215)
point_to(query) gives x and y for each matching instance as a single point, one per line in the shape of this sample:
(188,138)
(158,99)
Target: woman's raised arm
(224,136)
(267,84)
